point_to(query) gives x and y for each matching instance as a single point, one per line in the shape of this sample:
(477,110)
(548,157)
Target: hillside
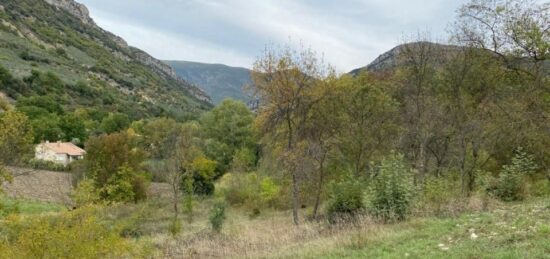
(57,38)
(390,59)
(219,81)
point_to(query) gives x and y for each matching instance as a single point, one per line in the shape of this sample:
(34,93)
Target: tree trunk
(295,195)
(175,196)
(319,187)
(295,191)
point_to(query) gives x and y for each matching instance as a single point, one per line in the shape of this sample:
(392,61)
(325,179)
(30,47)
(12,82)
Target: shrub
(346,199)
(510,185)
(175,227)
(249,189)
(437,193)
(392,189)
(217,216)
(47,165)
(540,188)
(75,234)
(85,193)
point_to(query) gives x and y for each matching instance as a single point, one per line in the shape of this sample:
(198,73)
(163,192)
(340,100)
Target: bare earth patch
(56,187)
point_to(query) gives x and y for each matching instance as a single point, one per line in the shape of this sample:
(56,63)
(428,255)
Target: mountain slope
(219,81)
(390,59)
(97,68)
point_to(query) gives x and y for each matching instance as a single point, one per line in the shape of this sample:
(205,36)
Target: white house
(59,152)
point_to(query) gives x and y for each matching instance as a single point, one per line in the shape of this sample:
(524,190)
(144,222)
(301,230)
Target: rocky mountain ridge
(218,80)
(81,12)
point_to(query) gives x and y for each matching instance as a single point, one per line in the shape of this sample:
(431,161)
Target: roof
(64,148)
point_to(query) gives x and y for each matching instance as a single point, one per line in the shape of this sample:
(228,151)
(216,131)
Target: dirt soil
(49,186)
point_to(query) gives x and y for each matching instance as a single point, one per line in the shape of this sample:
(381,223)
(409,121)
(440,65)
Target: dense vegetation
(443,132)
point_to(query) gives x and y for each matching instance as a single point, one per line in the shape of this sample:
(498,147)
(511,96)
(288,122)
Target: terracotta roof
(64,148)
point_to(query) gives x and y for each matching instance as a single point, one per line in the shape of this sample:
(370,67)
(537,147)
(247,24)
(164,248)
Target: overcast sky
(349,33)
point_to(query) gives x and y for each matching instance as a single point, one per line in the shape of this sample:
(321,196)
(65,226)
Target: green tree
(367,118)
(73,128)
(16,138)
(115,122)
(229,124)
(158,135)
(47,128)
(115,164)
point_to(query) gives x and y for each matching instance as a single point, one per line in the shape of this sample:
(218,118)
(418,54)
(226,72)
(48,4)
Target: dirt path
(48,186)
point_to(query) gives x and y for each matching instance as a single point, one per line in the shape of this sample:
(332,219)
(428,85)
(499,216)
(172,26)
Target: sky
(347,33)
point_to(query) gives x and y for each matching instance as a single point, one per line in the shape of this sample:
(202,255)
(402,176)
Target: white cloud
(349,33)
(166,46)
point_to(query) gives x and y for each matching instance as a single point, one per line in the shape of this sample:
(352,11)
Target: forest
(443,131)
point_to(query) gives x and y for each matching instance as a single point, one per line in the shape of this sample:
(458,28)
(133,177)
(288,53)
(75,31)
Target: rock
(473,236)
(76,9)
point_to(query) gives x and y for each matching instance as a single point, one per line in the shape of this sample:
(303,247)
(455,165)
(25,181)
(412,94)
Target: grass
(514,230)
(505,230)
(28,207)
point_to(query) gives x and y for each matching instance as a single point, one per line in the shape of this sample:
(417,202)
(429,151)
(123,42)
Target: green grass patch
(9,206)
(515,230)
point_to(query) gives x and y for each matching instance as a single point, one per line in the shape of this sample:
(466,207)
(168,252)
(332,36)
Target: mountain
(390,59)
(57,39)
(219,81)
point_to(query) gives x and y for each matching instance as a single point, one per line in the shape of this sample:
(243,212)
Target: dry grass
(273,235)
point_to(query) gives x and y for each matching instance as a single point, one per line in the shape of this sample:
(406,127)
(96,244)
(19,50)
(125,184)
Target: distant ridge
(218,80)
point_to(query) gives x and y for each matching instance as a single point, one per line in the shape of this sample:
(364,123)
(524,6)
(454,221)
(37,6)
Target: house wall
(48,155)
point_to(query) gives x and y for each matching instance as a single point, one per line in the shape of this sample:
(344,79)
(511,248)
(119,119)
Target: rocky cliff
(81,12)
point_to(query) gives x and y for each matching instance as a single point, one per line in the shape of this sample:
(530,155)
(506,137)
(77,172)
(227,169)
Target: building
(59,152)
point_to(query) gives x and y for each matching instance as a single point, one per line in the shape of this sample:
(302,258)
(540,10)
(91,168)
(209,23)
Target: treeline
(469,120)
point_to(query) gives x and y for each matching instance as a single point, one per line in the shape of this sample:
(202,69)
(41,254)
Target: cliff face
(74,8)
(81,12)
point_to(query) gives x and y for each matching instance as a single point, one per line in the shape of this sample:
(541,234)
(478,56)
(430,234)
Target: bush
(438,192)
(510,185)
(392,189)
(540,188)
(217,216)
(85,193)
(346,199)
(175,227)
(47,165)
(249,189)
(75,234)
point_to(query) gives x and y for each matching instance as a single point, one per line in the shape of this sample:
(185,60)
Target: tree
(367,117)
(115,165)
(16,138)
(73,128)
(115,122)
(284,81)
(47,128)
(229,125)
(515,34)
(185,147)
(159,136)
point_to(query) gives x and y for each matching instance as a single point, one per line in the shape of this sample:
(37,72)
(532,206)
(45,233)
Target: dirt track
(55,187)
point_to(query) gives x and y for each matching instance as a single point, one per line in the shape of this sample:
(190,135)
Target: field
(500,230)
(512,230)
